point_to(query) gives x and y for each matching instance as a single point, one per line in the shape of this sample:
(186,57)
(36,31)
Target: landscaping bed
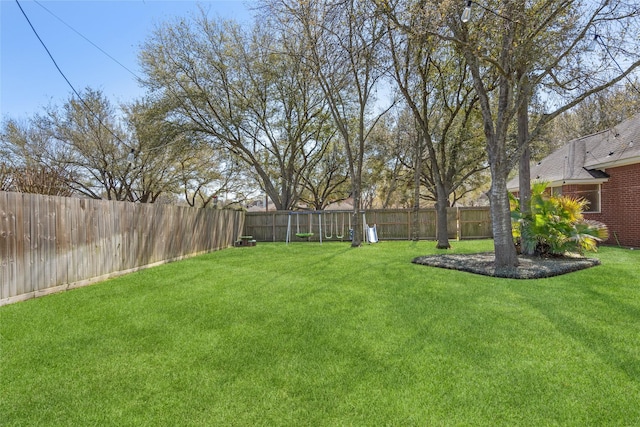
(530,267)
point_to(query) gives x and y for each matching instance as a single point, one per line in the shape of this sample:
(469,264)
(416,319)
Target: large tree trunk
(524,183)
(416,191)
(442,232)
(506,257)
(524,173)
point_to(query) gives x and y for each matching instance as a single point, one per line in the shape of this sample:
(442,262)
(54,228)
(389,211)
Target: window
(591,193)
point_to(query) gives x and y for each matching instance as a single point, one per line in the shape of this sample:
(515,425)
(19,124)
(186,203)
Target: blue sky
(29,80)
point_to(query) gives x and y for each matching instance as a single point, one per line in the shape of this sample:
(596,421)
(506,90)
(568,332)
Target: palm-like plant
(555,224)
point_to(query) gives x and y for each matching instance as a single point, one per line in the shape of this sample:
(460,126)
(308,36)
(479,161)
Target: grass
(326,335)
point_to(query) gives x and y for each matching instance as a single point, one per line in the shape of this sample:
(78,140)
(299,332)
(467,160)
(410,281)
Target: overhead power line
(89,41)
(133,152)
(65,77)
(597,40)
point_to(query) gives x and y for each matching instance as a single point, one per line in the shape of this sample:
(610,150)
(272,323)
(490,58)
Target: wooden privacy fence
(52,243)
(391,224)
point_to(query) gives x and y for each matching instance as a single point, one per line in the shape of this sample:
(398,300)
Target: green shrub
(555,225)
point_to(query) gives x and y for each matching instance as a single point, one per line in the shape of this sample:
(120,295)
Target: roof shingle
(585,159)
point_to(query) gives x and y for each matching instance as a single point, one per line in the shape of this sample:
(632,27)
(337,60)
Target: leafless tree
(342,41)
(240,91)
(437,88)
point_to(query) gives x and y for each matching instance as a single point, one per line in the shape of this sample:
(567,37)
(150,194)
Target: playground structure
(392,224)
(332,227)
(371,233)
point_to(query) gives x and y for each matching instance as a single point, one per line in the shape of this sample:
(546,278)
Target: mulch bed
(529,268)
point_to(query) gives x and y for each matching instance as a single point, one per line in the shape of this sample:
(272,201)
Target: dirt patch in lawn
(528,268)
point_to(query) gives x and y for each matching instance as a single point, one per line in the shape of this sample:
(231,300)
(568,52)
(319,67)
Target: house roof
(585,159)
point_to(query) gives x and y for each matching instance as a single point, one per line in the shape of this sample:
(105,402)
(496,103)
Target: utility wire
(92,43)
(606,48)
(65,77)
(69,83)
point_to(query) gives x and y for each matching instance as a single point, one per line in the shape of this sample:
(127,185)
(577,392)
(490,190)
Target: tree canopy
(384,101)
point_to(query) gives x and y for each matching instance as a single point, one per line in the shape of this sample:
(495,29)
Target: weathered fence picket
(50,243)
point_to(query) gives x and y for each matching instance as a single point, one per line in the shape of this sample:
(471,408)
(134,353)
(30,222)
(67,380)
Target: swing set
(333,219)
(304,234)
(330,222)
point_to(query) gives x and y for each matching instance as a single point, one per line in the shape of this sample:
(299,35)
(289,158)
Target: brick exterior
(619,205)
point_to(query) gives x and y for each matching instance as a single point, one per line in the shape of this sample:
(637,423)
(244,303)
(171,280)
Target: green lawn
(326,335)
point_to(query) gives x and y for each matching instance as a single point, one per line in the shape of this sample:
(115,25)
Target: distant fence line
(391,224)
(50,243)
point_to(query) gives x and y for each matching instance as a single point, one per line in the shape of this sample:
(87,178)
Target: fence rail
(391,224)
(50,243)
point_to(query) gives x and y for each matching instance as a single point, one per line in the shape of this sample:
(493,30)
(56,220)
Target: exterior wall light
(466,13)
(594,43)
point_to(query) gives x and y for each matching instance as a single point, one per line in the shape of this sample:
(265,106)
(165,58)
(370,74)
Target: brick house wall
(619,205)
